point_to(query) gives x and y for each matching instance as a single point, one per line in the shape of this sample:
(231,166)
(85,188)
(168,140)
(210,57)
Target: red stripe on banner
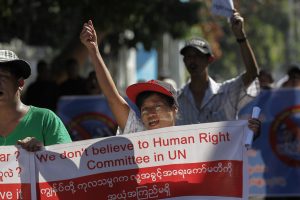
(15,191)
(217,178)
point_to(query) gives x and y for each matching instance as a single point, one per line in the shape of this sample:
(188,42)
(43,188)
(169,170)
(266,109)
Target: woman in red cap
(156,100)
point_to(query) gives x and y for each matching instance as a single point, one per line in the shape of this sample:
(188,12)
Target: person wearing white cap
(29,126)
(202,99)
(156,100)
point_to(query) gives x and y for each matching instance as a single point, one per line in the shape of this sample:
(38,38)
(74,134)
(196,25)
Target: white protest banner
(204,161)
(222,7)
(15,174)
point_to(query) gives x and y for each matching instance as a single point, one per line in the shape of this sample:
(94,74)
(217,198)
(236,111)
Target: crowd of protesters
(33,124)
(200,100)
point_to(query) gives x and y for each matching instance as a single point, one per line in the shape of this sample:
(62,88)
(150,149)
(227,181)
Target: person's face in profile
(157,113)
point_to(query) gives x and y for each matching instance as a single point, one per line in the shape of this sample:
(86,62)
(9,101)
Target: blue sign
(86,117)
(274,162)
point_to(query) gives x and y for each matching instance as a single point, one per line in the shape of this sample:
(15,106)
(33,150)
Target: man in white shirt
(202,99)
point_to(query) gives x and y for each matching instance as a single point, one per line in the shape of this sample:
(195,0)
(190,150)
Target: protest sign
(274,161)
(191,162)
(16,178)
(222,7)
(86,117)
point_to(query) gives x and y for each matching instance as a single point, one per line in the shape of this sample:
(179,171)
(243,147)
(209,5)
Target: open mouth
(153,123)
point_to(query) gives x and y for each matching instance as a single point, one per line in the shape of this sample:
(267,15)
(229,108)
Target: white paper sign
(250,134)
(222,7)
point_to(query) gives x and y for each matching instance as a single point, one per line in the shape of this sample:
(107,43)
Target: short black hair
(294,72)
(42,66)
(144,95)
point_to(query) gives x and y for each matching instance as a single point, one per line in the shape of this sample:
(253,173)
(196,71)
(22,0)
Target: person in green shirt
(30,127)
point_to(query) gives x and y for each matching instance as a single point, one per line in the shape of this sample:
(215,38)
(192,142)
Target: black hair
(294,72)
(266,73)
(144,95)
(42,66)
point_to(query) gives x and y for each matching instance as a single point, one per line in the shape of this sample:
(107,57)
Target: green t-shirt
(41,123)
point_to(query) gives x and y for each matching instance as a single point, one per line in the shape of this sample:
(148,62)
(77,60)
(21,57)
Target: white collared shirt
(222,101)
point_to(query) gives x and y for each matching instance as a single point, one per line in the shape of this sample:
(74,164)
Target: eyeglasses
(156,108)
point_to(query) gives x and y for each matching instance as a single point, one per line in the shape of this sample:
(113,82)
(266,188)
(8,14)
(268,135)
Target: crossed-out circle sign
(285,136)
(91,124)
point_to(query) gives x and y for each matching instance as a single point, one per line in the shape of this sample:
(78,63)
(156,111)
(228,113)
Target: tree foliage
(56,23)
(272,26)
(268,25)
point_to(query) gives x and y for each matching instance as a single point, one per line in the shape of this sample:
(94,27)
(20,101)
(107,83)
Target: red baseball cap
(162,87)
